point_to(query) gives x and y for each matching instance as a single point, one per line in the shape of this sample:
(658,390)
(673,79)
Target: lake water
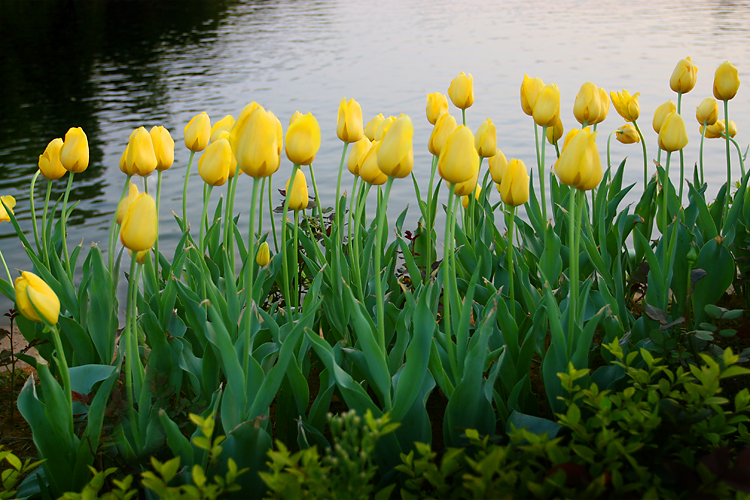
(112,66)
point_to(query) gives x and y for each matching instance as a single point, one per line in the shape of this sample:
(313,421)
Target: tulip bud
(223,125)
(10,202)
(122,207)
(592,158)
(74,153)
(163,147)
(661,114)
(465,198)
(732,128)
(555,132)
(357,155)
(627,134)
(461,91)
(547,106)
(458,158)
(213,166)
(498,164)
(444,126)
(233,165)
(396,154)
(294,117)
(673,136)
(298,198)
(514,189)
(239,125)
(279,134)
(264,254)
(707,111)
(198,132)
(684,76)
(49,162)
(383,128)
(437,104)
(604,106)
(467,187)
(256,144)
(141,157)
(626,105)
(486,139)
(575,166)
(349,125)
(303,140)
(726,81)
(138,230)
(529,92)
(587,105)
(34,297)
(372,126)
(369,171)
(714,131)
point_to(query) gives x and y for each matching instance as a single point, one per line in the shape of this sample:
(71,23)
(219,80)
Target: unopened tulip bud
(498,164)
(486,139)
(514,189)
(223,125)
(294,117)
(138,230)
(122,207)
(459,158)
(349,125)
(49,162)
(264,255)
(437,104)
(547,107)
(357,155)
(627,134)
(74,153)
(661,114)
(587,104)
(555,132)
(396,154)
(34,297)
(673,136)
(444,126)
(726,81)
(298,197)
(9,202)
(198,132)
(214,165)
(604,106)
(369,171)
(373,125)
(529,92)
(461,91)
(163,147)
(141,157)
(708,111)
(302,140)
(256,144)
(383,128)
(684,76)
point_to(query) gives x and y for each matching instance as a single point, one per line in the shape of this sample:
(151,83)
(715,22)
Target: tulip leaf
(707,224)
(83,349)
(718,263)
(730,224)
(8,290)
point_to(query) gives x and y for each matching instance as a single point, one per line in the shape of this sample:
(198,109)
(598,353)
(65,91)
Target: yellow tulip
(461,90)
(661,114)
(529,92)
(593,159)
(279,134)
(303,140)
(264,255)
(294,117)
(444,125)
(240,123)
(223,125)
(396,154)
(604,106)
(486,139)
(547,106)
(732,129)
(198,132)
(574,167)
(373,125)
(49,162)
(626,105)
(163,147)
(10,202)
(714,131)
(514,189)
(383,128)
(122,207)
(214,165)
(627,134)
(34,294)
(465,198)
(349,125)
(437,104)
(467,187)
(138,231)
(369,170)
(707,111)
(673,136)
(726,81)
(233,165)
(555,132)
(74,153)
(256,144)
(298,198)
(684,76)
(459,158)
(141,157)
(587,105)
(357,155)
(498,164)
(140,257)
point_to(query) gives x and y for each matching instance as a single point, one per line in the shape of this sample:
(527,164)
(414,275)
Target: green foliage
(13,472)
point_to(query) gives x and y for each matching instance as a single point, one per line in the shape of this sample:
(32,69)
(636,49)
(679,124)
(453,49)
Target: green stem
(609,158)
(270,212)
(44,222)
(541,174)
(184,192)
(338,194)
(5,265)
(260,209)
(557,150)
(145,185)
(463,116)
(284,257)
(204,216)
(113,227)
(131,348)
(447,263)
(356,267)
(739,154)
(510,262)
(729,160)
(703,137)
(295,246)
(349,215)
(65,223)
(33,212)
(382,208)
(431,222)
(665,217)
(249,279)
(645,155)
(156,243)
(62,366)
(317,200)
(572,267)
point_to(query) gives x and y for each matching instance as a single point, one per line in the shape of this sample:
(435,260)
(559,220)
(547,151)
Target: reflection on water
(111,66)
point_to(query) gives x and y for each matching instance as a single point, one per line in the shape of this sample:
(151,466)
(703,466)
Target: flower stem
(62,366)
(184,192)
(156,243)
(573,265)
(447,262)
(113,228)
(44,223)
(729,160)
(5,265)
(285,260)
(645,155)
(65,222)
(33,212)
(270,212)
(541,174)
(338,194)
(260,209)
(511,295)
(249,280)
(364,190)
(131,347)
(349,215)
(295,246)
(204,216)
(382,208)
(739,154)
(665,205)
(703,137)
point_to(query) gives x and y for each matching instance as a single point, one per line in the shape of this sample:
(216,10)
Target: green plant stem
(317,200)
(284,257)
(703,137)
(270,212)
(541,174)
(729,160)
(184,192)
(65,223)
(260,209)
(609,158)
(431,222)
(511,295)
(557,150)
(382,208)
(357,268)
(447,263)
(645,154)
(249,279)
(295,246)
(338,194)
(573,265)
(463,116)
(349,215)
(145,184)
(665,216)
(62,366)
(739,154)
(204,216)
(114,227)
(131,348)
(156,242)
(33,212)
(682,157)
(44,222)
(229,218)
(5,265)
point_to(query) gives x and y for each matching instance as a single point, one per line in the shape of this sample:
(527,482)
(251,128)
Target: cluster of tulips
(336,260)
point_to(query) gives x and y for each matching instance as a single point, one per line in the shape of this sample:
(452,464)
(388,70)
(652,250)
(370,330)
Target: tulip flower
(264,254)
(661,114)
(627,134)
(163,147)
(458,158)
(141,157)
(707,111)
(302,140)
(592,158)
(34,297)
(122,207)
(465,198)
(223,125)
(444,126)
(555,132)
(726,81)
(498,164)
(214,165)
(587,107)
(383,128)
(514,188)
(396,154)
(140,257)
(279,133)
(604,106)
(684,76)
(486,139)
(139,224)
(437,104)
(575,166)
(349,125)
(233,165)
(198,132)
(49,162)
(369,171)
(373,125)
(74,153)
(713,131)
(256,144)
(294,117)
(10,202)
(529,92)
(547,106)
(461,91)
(672,133)
(469,186)
(357,155)
(626,105)
(298,198)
